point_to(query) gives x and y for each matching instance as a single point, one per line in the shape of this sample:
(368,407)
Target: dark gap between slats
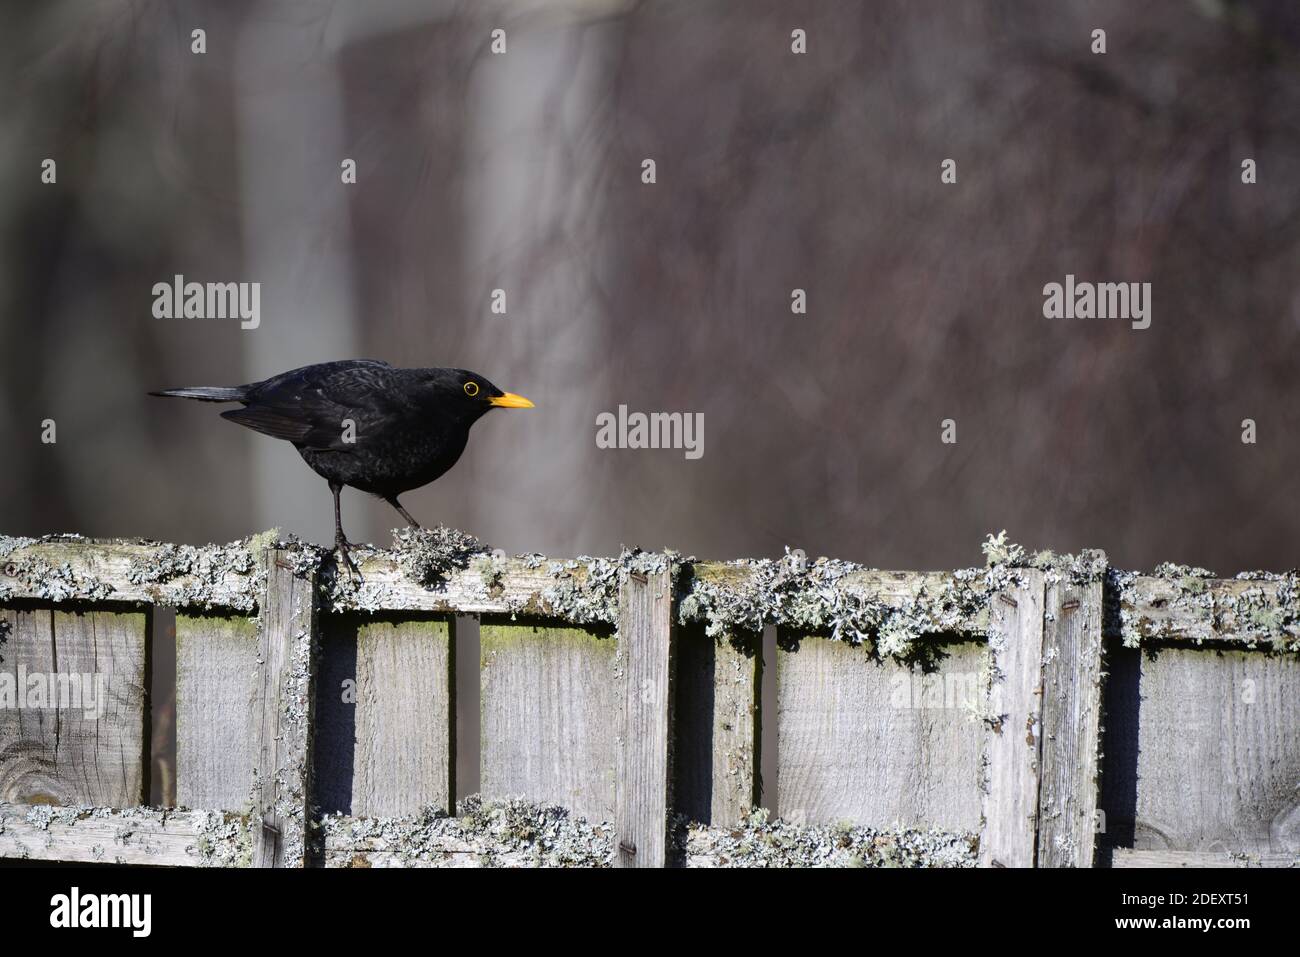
(161,732)
(468,718)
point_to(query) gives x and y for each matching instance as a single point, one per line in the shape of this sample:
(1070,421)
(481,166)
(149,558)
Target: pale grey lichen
(11,543)
(827,597)
(208,576)
(592,598)
(1171,570)
(998,551)
(511,833)
(518,833)
(760,842)
(223,840)
(430,554)
(841,600)
(1196,606)
(42,579)
(138,571)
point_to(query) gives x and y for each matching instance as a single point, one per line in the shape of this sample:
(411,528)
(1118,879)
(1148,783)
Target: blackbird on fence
(363,423)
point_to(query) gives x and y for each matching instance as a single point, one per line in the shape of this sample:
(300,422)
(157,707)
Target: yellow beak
(511,401)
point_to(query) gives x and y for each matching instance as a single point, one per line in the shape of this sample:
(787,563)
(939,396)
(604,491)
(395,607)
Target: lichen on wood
(429,554)
(58,568)
(448,571)
(518,833)
(1178,603)
(760,842)
(138,835)
(888,612)
(512,833)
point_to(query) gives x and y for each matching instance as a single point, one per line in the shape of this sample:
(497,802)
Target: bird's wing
(270,422)
(310,407)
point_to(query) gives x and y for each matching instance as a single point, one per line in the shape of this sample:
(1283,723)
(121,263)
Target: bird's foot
(349,566)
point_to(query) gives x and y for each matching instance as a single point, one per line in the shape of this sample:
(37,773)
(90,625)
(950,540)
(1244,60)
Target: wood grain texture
(716,733)
(548,703)
(282,722)
(80,677)
(1128,857)
(216,686)
(1012,745)
(385,739)
(1072,679)
(643,782)
(874,742)
(1218,758)
(139,836)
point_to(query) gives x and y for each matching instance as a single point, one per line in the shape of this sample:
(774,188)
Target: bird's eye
(471,388)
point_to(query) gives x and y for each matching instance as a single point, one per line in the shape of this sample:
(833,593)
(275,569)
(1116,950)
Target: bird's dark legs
(340,540)
(392,500)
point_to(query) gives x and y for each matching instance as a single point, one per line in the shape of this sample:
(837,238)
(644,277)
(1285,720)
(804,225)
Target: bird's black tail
(206,393)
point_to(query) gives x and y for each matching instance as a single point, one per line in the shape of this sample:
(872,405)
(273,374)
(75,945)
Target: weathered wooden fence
(934,718)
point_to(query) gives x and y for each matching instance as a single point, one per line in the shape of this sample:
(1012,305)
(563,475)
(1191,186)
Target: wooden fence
(932,718)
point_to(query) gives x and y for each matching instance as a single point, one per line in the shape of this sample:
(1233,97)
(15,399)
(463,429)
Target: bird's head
(471,394)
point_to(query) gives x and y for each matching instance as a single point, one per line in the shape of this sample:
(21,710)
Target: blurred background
(775,171)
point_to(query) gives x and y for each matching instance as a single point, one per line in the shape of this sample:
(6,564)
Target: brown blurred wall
(775,171)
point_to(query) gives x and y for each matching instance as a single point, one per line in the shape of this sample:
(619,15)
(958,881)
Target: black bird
(363,423)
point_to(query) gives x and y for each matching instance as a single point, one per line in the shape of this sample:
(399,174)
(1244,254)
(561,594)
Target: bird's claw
(349,566)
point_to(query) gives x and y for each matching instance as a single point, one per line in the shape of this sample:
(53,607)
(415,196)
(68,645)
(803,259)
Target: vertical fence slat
(1072,663)
(389,750)
(86,744)
(716,726)
(216,671)
(286,665)
(1012,744)
(643,783)
(1218,752)
(547,703)
(876,742)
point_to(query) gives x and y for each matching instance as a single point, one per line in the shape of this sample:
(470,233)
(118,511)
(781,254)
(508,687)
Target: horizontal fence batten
(1169,607)
(488,834)
(147,836)
(67,569)
(231,578)
(1128,857)
(1187,609)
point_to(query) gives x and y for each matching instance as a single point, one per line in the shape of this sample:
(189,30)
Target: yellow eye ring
(471,388)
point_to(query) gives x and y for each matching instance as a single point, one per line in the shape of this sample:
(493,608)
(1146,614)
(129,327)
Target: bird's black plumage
(364,423)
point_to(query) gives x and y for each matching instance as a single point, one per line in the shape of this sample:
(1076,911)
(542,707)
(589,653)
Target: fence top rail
(445,571)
